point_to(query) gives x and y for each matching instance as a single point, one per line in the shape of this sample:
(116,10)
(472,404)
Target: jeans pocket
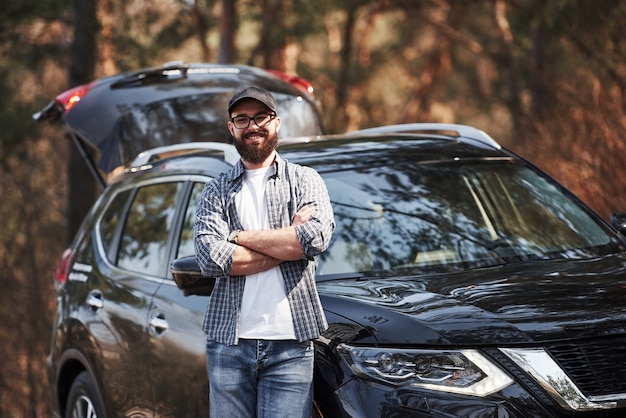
(308,348)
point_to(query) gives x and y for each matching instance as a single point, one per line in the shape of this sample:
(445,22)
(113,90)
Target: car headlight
(458,371)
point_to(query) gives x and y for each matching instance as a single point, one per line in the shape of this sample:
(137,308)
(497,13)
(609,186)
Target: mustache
(263,133)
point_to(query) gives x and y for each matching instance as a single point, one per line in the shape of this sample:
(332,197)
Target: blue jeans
(260,378)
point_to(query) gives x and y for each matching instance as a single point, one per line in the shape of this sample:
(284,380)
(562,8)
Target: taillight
(298,82)
(63,266)
(72,96)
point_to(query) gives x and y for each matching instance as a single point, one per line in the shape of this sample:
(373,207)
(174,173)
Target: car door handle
(159,323)
(95,300)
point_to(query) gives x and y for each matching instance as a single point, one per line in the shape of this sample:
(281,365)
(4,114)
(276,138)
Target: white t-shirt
(265,312)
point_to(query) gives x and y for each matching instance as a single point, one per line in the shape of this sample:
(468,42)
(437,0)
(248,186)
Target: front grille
(596,367)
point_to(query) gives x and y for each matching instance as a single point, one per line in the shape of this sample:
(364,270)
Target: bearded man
(259,230)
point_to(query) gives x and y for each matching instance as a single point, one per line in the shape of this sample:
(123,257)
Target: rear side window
(186,244)
(111,224)
(143,244)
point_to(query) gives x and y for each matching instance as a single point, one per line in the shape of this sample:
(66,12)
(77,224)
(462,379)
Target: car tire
(83,400)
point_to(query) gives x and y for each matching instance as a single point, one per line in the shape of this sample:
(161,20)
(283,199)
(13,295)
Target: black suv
(461,281)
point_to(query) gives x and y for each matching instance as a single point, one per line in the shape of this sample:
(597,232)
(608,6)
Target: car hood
(538,302)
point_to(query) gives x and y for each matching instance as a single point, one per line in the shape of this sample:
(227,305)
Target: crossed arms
(307,235)
(263,249)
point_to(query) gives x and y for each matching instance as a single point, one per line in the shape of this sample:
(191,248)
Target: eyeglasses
(260,119)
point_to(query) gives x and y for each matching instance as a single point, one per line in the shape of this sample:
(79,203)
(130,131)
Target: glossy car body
(114,119)
(461,281)
(98,345)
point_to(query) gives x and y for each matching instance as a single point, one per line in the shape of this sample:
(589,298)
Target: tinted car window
(111,224)
(201,117)
(297,117)
(448,216)
(143,246)
(186,246)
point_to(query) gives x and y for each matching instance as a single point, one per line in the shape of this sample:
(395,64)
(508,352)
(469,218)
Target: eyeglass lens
(260,120)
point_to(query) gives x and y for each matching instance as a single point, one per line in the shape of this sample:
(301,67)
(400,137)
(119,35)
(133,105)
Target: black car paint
(515,304)
(104,325)
(173,104)
(511,304)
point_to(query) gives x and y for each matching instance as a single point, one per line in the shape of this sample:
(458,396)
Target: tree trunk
(227,32)
(201,29)
(506,62)
(343,79)
(83,52)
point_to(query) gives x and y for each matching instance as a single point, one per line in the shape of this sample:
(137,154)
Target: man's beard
(254,153)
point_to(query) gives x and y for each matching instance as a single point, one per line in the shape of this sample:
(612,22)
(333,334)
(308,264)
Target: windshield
(447,216)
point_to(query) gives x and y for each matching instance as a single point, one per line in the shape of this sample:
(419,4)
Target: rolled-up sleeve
(213,253)
(315,234)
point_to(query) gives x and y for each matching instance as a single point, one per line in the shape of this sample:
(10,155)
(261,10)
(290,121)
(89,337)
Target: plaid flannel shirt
(289,188)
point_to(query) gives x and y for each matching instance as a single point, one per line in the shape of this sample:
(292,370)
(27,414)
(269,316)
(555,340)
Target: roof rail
(231,155)
(462,131)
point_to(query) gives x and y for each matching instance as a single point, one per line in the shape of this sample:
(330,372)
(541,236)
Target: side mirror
(618,220)
(189,278)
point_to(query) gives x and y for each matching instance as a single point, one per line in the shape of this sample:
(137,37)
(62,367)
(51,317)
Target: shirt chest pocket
(282,204)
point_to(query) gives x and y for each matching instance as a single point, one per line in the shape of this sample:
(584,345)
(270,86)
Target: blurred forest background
(546,78)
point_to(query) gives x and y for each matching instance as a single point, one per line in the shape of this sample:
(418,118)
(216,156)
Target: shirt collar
(238,170)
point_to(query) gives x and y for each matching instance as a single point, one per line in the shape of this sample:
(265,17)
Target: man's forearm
(281,244)
(261,250)
(247,261)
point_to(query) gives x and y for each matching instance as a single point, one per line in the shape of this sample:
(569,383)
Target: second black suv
(113,119)
(461,281)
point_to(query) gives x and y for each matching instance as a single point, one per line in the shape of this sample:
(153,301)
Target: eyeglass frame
(271,117)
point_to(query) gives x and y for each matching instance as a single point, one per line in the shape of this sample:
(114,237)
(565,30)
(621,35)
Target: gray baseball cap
(255,93)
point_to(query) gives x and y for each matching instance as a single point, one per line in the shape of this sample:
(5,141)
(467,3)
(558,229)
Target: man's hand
(303,215)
